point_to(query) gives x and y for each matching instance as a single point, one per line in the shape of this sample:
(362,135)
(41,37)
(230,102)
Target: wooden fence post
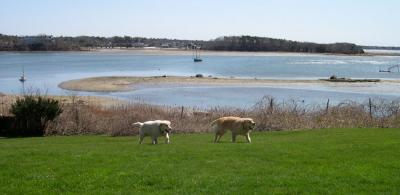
(327,107)
(271,105)
(370,107)
(182,112)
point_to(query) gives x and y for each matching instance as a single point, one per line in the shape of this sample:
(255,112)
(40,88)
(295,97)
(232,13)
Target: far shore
(181,51)
(122,83)
(188,52)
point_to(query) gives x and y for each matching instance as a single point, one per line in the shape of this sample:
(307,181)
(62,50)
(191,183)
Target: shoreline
(234,53)
(131,83)
(186,52)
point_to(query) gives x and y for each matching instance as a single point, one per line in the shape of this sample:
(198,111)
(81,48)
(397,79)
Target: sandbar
(130,83)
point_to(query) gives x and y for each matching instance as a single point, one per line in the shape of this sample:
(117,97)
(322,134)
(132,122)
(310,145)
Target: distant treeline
(51,43)
(231,43)
(248,43)
(381,48)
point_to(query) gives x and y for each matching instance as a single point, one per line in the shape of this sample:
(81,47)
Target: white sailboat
(22,78)
(196,55)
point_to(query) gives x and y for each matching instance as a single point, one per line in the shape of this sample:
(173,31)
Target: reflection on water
(45,70)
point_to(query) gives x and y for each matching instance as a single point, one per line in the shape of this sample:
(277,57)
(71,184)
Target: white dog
(154,129)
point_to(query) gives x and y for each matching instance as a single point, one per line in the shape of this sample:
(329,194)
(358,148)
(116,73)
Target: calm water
(45,70)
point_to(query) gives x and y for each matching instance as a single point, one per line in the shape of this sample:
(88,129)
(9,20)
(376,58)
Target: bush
(32,113)
(6,125)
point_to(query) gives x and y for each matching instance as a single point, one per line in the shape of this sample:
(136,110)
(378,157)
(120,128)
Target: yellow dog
(237,125)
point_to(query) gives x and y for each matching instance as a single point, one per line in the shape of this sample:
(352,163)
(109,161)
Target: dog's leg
(167,138)
(219,138)
(215,138)
(233,137)
(248,138)
(155,140)
(215,130)
(141,139)
(221,134)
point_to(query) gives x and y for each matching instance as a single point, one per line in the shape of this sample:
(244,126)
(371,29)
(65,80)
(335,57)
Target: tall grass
(116,120)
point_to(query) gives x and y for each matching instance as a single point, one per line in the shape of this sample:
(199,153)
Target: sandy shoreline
(120,84)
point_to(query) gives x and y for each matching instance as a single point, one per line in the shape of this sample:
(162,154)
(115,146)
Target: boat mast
(193,55)
(22,79)
(196,54)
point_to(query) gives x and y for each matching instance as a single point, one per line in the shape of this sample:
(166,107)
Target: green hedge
(32,113)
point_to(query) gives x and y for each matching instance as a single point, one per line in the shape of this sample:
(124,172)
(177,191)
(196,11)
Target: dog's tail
(213,123)
(137,124)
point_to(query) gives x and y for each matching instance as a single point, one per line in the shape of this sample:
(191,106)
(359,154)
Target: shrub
(32,113)
(6,125)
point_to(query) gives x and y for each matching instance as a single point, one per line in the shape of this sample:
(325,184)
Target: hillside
(249,43)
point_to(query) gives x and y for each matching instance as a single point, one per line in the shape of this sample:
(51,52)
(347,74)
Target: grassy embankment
(339,161)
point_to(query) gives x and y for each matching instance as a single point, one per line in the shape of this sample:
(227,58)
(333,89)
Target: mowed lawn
(336,161)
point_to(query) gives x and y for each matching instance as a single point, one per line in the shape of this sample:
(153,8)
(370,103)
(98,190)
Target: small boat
(196,55)
(197,60)
(22,78)
(391,69)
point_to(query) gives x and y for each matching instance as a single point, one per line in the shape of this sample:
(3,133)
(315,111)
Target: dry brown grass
(94,115)
(116,120)
(7,100)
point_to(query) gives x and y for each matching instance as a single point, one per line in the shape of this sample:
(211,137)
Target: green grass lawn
(337,161)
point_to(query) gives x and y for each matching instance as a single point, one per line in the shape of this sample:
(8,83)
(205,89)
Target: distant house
(138,44)
(36,39)
(165,45)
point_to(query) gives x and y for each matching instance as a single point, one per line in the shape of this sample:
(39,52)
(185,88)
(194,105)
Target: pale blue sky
(368,22)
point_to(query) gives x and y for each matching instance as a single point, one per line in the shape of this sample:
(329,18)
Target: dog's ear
(252,124)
